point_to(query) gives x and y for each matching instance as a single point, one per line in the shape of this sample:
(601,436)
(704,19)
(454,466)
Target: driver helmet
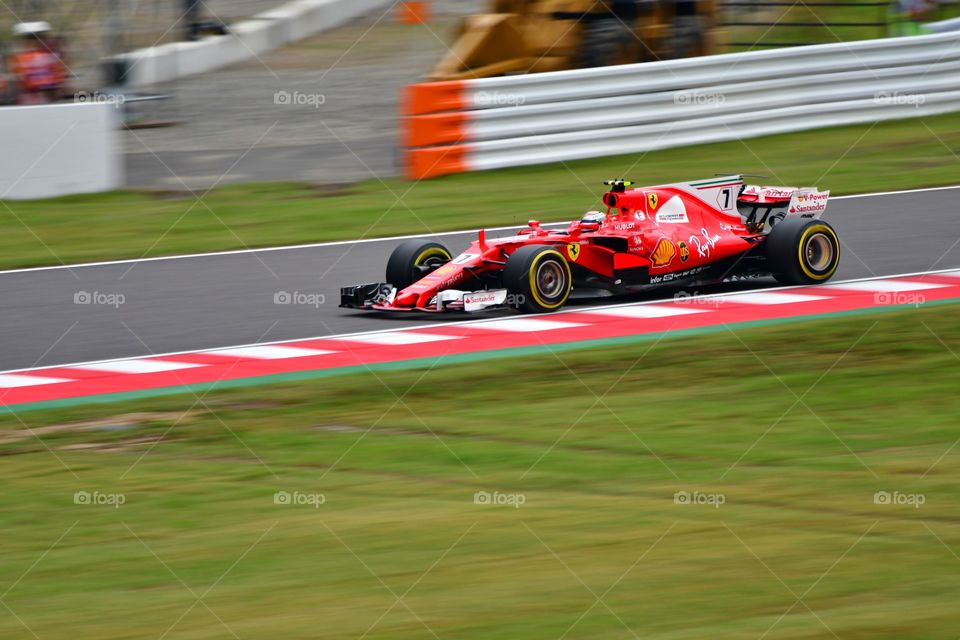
(594,217)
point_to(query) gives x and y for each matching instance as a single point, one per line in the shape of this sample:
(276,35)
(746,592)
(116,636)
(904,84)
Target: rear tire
(413,260)
(538,278)
(802,251)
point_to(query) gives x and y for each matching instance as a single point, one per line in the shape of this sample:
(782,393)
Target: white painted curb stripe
(136,366)
(394,339)
(10,381)
(527,324)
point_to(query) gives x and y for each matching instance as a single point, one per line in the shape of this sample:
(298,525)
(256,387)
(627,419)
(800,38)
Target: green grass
(828,21)
(878,412)
(892,155)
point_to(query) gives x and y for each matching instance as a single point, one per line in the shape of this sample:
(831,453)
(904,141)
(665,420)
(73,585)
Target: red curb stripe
(593,324)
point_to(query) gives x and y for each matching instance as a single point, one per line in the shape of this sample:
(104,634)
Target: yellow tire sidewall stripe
(533,273)
(809,231)
(430,252)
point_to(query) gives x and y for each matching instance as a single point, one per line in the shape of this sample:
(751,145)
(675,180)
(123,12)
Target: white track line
(266,352)
(335,243)
(389,338)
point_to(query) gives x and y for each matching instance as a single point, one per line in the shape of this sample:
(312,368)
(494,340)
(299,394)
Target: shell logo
(663,253)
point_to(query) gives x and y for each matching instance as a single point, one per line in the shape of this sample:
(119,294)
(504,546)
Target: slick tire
(414,259)
(802,251)
(538,278)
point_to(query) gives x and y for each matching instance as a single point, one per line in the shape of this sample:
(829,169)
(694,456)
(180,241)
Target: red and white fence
(488,123)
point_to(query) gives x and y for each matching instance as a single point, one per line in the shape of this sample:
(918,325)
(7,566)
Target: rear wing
(806,202)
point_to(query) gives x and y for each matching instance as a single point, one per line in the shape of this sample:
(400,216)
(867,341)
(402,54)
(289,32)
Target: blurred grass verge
(853,159)
(794,428)
(825,23)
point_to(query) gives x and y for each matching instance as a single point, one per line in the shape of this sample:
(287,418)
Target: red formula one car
(704,231)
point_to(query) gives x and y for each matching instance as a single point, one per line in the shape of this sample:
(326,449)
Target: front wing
(379,296)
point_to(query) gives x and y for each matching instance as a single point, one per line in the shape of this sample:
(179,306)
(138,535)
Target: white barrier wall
(510,121)
(247,39)
(55,150)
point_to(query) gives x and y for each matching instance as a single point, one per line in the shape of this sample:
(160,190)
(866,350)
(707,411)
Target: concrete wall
(55,150)
(248,39)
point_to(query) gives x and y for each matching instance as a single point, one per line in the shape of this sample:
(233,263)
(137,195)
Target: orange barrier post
(413,12)
(433,97)
(435,161)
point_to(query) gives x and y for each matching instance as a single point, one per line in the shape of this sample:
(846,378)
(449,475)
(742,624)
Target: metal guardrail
(452,127)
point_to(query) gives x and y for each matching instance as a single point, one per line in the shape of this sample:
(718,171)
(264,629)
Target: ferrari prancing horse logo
(652,201)
(573,250)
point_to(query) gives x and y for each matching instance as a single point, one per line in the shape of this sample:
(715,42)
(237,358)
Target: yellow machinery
(530,36)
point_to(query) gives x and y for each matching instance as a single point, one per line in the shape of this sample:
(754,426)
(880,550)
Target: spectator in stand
(907,16)
(687,29)
(36,65)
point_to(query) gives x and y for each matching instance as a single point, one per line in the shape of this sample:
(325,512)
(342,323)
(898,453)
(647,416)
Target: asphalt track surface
(186,303)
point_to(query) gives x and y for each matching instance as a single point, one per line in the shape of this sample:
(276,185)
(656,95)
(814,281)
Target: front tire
(413,260)
(802,251)
(538,278)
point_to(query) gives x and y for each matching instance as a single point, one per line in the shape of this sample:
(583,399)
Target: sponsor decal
(449,282)
(773,192)
(639,216)
(478,300)
(684,251)
(705,242)
(652,201)
(809,202)
(573,250)
(679,275)
(673,211)
(663,253)
(624,226)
